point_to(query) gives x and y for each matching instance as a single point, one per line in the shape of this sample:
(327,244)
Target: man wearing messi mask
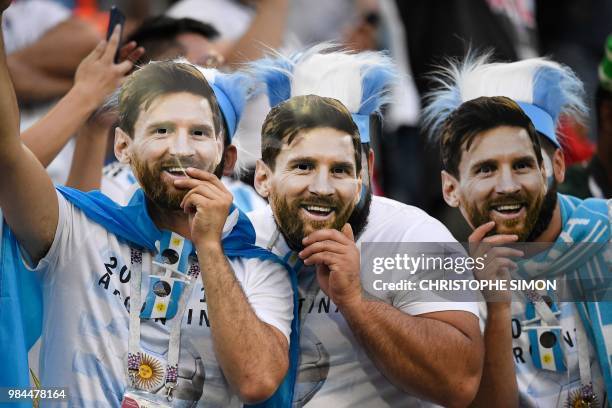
(502,161)
(166,300)
(358,347)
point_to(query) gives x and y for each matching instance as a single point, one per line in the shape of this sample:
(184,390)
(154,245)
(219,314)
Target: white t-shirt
(335,370)
(230,18)
(25,21)
(86,287)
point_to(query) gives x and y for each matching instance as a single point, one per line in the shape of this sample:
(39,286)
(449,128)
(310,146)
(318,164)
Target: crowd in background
(47,42)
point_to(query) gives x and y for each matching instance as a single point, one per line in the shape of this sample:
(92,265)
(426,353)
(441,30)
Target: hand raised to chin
(337,263)
(497,259)
(207,203)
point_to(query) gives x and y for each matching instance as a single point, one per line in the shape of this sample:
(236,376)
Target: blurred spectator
(315,21)
(162,38)
(232,18)
(438,29)
(247,27)
(571,32)
(165,38)
(353,23)
(97,76)
(402,115)
(435,30)
(45,44)
(594,179)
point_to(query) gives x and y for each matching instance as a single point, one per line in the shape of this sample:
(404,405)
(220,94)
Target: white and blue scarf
(579,254)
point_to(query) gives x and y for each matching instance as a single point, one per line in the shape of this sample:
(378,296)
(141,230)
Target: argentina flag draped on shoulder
(21,311)
(20,314)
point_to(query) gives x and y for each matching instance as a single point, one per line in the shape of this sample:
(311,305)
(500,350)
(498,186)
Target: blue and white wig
(543,88)
(232,92)
(360,81)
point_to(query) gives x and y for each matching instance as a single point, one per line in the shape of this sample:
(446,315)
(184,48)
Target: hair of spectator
(476,116)
(161,78)
(302,113)
(158,34)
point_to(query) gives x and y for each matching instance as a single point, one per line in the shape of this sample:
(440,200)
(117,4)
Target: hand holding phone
(116,18)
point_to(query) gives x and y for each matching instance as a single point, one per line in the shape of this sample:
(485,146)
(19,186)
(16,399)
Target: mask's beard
(546,213)
(158,192)
(155,190)
(479,215)
(361,212)
(294,228)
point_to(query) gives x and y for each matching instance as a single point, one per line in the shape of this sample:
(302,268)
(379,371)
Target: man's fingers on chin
(211,178)
(192,184)
(191,196)
(321,246)
(200,174)
(501,239)
(325,234)
(209,192)
(186,183)
(480,232)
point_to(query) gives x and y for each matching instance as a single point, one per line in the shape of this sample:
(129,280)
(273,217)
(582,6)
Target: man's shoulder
(598,206)
(261,219)
(385,203)
(394,221)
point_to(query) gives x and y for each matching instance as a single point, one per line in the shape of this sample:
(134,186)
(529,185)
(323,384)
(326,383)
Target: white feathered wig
(543,88)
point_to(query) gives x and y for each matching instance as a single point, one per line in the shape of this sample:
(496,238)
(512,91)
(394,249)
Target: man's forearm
(423,356)
(60,50)
(88,159)
(48,136)
(45,69)
(34,85)
(252,354)
(498,386)
(266,31)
